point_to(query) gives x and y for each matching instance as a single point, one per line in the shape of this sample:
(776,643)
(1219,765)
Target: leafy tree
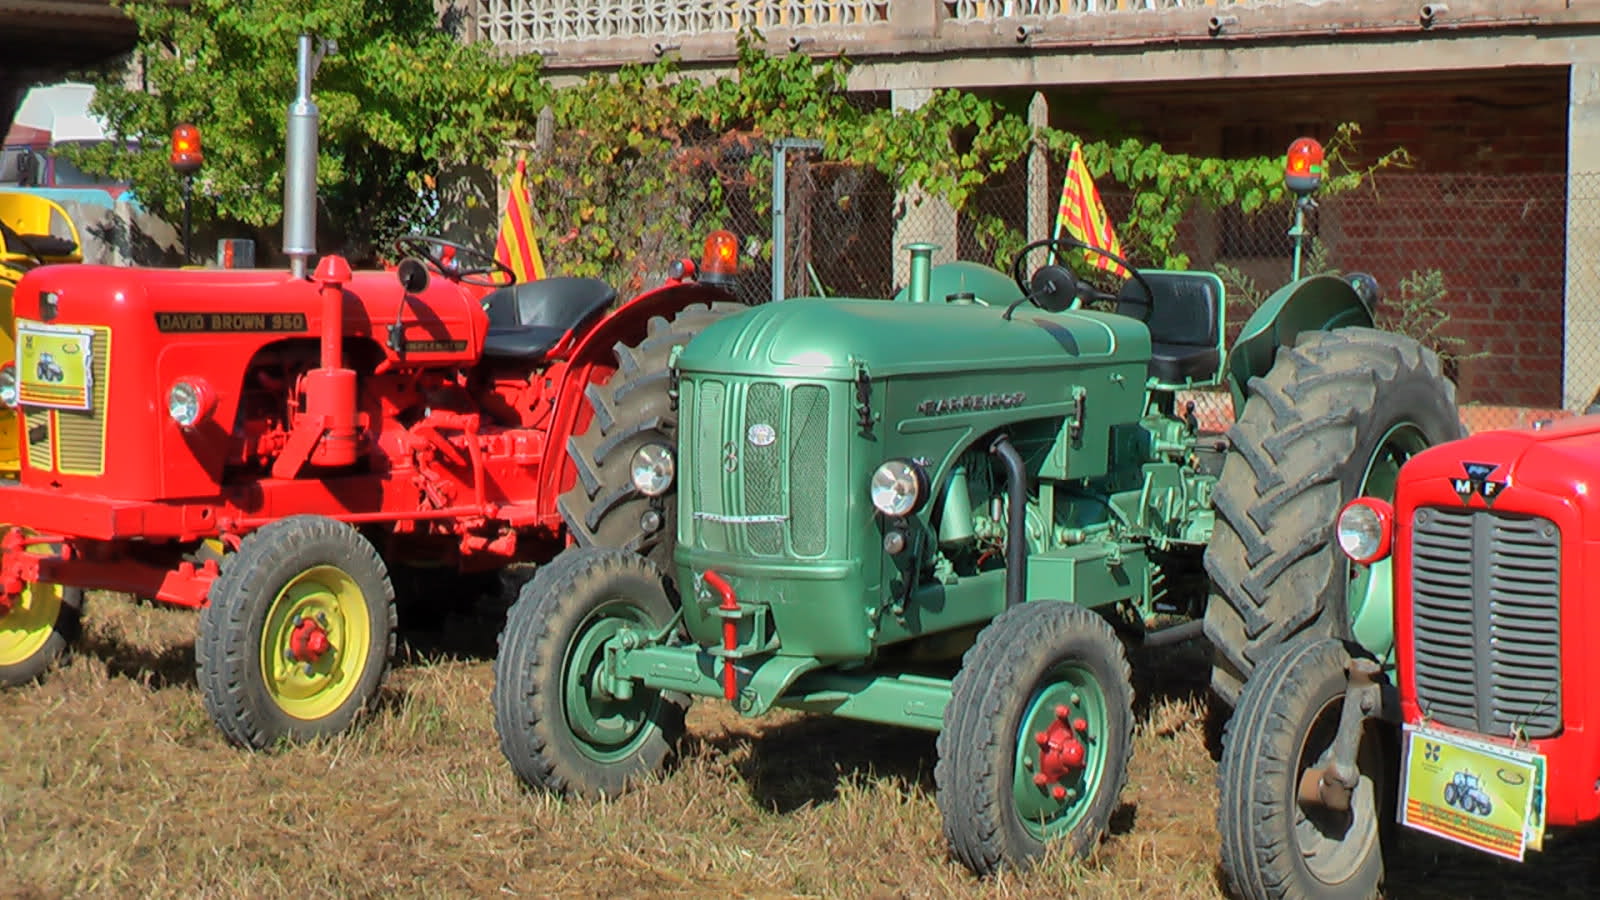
(401,102)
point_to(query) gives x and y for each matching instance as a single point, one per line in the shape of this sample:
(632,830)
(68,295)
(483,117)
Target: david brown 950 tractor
(1489,546)
(950,511)
(324,429)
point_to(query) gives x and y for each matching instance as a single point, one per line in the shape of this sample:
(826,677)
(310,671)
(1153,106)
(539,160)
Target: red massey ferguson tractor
(1488,729)
(276,449)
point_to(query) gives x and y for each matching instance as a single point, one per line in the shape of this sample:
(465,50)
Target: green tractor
(955,511)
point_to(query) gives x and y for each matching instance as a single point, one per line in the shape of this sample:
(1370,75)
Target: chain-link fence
(1474,266)
(1500,274)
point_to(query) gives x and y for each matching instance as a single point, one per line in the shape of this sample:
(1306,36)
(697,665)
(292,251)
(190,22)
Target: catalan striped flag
(517,246)
(1084,216)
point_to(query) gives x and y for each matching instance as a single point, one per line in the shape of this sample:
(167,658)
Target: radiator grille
(761,468)
(1485,589)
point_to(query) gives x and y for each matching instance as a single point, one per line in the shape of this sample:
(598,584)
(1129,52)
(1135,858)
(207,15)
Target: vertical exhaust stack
(300,161)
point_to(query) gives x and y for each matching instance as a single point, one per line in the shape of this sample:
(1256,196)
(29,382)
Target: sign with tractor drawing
(54,366)
(1482,795)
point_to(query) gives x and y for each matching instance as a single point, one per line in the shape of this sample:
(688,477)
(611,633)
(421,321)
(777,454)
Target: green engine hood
(826,338)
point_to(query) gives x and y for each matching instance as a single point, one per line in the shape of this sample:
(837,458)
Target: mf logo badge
(1477,482)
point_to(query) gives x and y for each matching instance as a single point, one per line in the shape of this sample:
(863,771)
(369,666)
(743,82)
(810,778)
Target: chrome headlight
(190,400)
(898,487)
(652,469)
(8,385)
(1365,529)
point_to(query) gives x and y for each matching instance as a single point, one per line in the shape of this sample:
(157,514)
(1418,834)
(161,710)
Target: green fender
(1318,303)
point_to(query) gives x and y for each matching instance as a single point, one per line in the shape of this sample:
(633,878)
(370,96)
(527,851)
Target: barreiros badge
(1484,795)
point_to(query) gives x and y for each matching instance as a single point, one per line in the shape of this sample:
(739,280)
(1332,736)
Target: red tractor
(1485,731)
(276,449)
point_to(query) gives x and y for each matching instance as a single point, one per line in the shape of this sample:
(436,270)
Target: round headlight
(1364,529)
(898,487)
(8,385)
(652,470)
(186,403)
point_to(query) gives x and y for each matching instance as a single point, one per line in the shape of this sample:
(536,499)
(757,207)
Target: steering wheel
(446,258)
(1067,242)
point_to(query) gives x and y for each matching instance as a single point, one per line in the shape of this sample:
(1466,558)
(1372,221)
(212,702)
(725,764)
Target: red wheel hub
(308,642)
(1061,753)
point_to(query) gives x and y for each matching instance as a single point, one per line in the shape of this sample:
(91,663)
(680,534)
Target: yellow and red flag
(517,246)
(1084,216)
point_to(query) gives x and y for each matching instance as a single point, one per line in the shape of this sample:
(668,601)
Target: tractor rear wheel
(298,634)
(632,408)
(1273,844)
(560,727)
(1036,737)
(1333,420)
(37,630)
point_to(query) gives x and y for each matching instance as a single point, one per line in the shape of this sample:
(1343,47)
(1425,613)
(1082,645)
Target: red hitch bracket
(730,612)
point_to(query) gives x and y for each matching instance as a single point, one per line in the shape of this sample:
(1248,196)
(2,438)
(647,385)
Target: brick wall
(1484,200)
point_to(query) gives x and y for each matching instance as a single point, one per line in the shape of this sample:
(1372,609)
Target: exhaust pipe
(300,161)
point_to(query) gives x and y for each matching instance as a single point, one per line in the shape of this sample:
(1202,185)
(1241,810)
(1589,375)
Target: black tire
(631,408)
(24,657)
(1272,846)
(1023,663)
(601,746)
(1334,407)
(307,574)
(1451,795)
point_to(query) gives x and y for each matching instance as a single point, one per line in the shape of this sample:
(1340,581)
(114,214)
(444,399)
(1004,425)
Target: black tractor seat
(527,320)
(1185,325)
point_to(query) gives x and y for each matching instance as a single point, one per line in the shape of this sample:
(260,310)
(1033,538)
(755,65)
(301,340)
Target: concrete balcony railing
(600,33)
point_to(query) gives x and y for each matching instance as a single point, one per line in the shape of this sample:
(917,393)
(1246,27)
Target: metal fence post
(780,208)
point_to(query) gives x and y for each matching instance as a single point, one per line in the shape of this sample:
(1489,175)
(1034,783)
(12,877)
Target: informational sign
(1484,795)
(54,366)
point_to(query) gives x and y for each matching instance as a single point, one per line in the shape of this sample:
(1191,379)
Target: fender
(1318,303)
(591,361)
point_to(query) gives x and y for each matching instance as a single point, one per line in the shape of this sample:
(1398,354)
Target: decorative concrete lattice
(988,10)
(536,23)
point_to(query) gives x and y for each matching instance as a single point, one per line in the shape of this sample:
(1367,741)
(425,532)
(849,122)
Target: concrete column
(1040,204)
(920,216)
(1581,353)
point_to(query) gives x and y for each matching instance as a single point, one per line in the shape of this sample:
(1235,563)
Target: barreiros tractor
(1487,546)
(287,451)
(951,511)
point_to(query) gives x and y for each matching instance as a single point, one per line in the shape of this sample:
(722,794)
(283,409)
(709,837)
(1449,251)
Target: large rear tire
(632,408)
(1333,420)
(1273,845)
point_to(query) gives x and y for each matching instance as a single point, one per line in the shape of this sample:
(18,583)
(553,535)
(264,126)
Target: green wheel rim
(607,729)
(316,688)
(1058,805)
(26,629)
(1370,592)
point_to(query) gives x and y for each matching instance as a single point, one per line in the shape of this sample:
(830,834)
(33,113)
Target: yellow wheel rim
(303,682)
(27,627)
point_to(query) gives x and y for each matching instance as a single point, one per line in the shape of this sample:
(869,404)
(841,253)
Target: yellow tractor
(34,231)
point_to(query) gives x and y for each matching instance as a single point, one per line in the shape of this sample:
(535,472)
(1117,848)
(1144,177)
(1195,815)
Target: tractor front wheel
(1274,845)
(562,727)
(1036,737)
(37,630)
(632,408)
(298,634)
(1334,419)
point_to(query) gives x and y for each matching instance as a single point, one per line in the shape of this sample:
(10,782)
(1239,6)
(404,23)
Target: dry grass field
(114,783)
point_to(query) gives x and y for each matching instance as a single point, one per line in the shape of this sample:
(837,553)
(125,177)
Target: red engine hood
(1562,460)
